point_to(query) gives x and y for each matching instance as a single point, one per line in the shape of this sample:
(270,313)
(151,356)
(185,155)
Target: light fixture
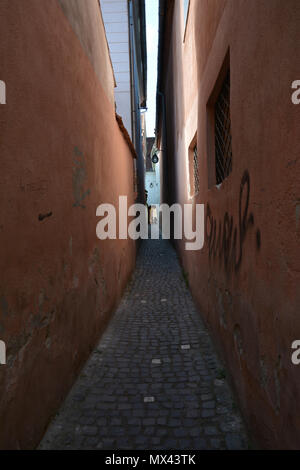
(155,158)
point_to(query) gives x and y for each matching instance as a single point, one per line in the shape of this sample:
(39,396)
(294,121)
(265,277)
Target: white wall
(115,17)
(152,177)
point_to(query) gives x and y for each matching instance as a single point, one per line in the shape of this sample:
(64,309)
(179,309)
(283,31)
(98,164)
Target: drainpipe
(136,109)
(163,145)
(162,95)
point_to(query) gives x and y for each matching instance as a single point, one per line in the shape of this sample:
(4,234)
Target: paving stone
(206,396)
(91,442)
(170,444)
(210,430)
(209,404)
(148,422)
(162,432)
(233,442)
(102,421)
(180,432)
(207,413)
(174,423)
(149,430)
(154,365)
(89,430)
(192,414)
(149,399)
(87,420)
(116,422)
(134,421)
(156,361)
(117,431)
(215,443)
(134,430)
(196,432)
(124,406)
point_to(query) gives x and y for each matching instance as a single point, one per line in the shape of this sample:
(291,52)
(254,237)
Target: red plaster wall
(61,153)
(252,309)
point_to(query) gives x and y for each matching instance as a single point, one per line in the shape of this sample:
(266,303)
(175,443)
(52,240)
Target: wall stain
(79,179)
(263,372)
(97,270)
(30,184)
(41,217)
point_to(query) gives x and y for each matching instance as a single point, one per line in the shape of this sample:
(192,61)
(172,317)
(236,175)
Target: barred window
(223,149)
(196,171)
(186,7)
(193,169)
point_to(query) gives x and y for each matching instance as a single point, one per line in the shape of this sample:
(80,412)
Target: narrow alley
(117,116)
(154,381)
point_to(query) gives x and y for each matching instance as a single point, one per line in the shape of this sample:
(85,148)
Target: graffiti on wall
(225,238)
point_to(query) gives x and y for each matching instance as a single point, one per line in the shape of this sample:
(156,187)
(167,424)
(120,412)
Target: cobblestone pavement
(154,380)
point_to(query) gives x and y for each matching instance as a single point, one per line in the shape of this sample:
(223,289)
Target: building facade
(125,24)
(63,153)
(228,132)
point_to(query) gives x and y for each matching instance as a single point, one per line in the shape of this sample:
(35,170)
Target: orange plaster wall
(62,154)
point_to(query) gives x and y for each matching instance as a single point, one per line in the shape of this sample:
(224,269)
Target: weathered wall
(248,288)
(62,154)
(86,20)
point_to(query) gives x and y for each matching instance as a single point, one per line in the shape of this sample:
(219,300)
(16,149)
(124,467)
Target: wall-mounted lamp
(155,158)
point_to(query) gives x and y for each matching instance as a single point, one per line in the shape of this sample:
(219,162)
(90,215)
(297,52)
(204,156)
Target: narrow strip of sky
(152,45)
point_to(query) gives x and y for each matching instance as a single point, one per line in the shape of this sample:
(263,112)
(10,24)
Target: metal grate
(196,171)
(223,132)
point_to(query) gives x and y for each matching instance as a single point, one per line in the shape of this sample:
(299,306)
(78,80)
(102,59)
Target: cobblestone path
(154,380)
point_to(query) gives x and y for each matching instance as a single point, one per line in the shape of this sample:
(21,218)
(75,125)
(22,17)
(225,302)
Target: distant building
(152,175)
(125,25)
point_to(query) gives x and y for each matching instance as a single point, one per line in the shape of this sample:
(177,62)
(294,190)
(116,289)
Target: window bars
(196,171)
(223,147)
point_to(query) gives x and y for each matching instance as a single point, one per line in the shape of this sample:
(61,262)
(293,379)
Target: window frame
(211,135)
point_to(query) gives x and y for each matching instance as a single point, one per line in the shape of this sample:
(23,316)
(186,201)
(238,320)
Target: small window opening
(194,170)
(223,149)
